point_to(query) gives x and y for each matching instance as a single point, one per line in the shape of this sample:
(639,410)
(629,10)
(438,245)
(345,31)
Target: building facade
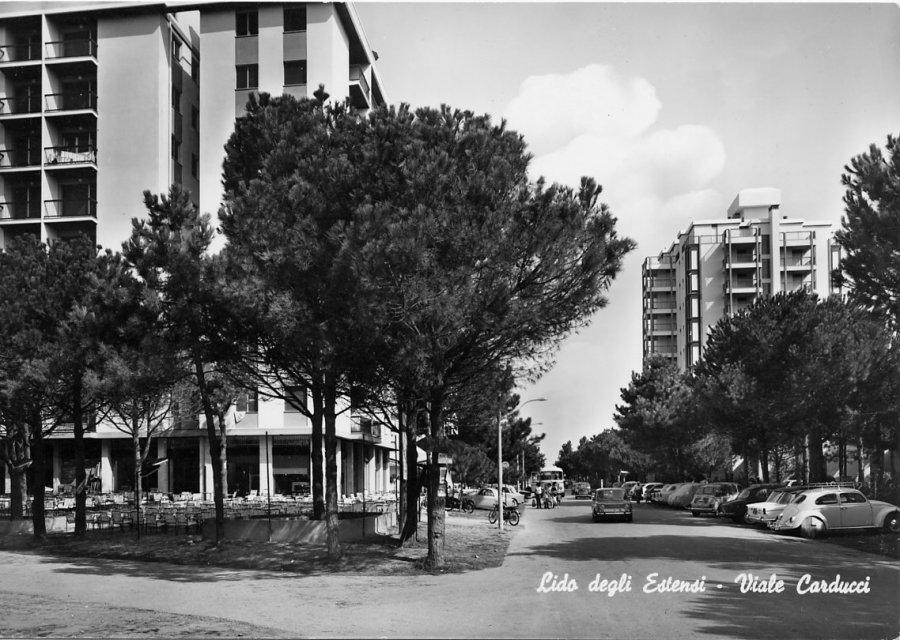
(100,101)
(718,267)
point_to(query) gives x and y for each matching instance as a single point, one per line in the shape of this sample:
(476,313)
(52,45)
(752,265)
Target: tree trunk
(317,486)
(80,475)
(764,462)
(413,483)
(860,474)
(777,463)
(214,449)
(804,456)
(329,398)
(435,558)
(18,491)
(38,471)
(401,453)
(746,456)
(136,450)
(817,471)
(223,456)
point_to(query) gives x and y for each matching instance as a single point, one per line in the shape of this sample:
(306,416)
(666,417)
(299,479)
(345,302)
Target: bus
(551,479)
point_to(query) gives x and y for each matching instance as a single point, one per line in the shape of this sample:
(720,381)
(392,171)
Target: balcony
(72,48)
(740,287)
(19,158)
(70,156)
(71,101)
(71,208)
(20,53)
(20,105)
(661,284)
(800,263)
(797,238)
(366,427)
(28,210)
(360,94)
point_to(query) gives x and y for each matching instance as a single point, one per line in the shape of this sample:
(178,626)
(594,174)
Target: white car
(817,511)
(486,498)
(766,512)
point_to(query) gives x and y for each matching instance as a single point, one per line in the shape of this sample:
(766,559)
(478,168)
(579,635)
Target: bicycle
(510,515)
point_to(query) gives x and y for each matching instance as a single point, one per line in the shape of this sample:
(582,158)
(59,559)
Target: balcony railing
(20,210)
(72,48)
(667,283)
(20,104)
(70,155)
(71,101)
(367,428)
(19,52)
(70,208)
(798,262)
(19,157)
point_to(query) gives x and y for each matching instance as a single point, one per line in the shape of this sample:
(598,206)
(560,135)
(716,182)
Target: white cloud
(553,109)
(596,122)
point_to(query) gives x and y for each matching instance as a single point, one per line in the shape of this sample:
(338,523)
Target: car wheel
(737,519)
(892,523)
(812,528)
(515,502)
(595,517)
(629,518)
(694,513)
(468,506)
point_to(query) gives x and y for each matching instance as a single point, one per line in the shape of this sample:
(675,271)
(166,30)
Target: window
(853,497)
(195,118)
(195,165)
(195,69)
(248,401)
(246,23)
(176,50)
(295,72)
(295,18)
(828,498)
(176,100)
(176,148)
(299,395)
(247,76)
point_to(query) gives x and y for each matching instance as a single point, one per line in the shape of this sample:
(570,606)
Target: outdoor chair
(103,518)
(70,519)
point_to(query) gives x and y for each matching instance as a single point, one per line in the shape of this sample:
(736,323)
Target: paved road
(505,602)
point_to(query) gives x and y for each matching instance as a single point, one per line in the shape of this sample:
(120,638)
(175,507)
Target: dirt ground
(27,616)
(470,543)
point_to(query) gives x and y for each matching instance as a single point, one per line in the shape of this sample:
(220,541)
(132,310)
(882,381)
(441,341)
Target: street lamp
(500,418)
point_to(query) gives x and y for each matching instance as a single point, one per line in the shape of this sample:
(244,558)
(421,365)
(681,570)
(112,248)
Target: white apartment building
(717,267)
(102,100)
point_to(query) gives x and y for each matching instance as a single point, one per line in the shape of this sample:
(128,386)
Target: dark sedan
(736,509)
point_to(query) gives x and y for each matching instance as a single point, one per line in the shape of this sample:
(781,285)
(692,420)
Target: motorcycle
(464,504)
(510,515)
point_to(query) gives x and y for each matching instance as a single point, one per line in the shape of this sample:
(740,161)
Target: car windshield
(708,490)
(610,494)
(799,498)
(743,495)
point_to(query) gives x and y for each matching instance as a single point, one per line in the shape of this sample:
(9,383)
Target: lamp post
(500,417)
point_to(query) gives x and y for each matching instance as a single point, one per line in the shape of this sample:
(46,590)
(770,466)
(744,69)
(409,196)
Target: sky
(673,108)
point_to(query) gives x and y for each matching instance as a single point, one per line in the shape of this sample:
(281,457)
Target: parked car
(736,509)
(765,512)
(659,496)
(709,497)
(649,488)
(816,511)
(513,495)
(582,490)
(611,503)
(629,486)
(682,496)
(486,498)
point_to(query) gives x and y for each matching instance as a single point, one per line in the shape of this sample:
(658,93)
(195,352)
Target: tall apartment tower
(100,101)
(278,49)
(94,108)
(718,267)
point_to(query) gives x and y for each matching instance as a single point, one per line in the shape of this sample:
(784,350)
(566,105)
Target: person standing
(538,493)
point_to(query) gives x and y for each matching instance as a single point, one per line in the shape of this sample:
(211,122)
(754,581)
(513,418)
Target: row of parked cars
(809,509)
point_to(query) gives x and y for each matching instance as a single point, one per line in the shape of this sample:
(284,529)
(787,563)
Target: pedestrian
(538,492)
